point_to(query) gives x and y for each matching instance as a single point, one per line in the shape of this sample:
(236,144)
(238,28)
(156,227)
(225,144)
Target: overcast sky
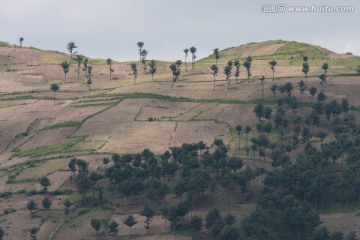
(111,28)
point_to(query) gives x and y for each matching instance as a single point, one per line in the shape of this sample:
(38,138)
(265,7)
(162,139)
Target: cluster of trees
(193,172)
(143,54)
(321,173)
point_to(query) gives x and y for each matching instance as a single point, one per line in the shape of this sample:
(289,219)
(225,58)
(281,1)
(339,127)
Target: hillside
(39,133)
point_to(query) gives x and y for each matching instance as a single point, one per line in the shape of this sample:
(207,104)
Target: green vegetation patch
(88,146)
(65,146)
(76,124)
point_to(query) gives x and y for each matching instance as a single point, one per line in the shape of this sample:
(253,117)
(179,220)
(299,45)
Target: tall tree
(84,184)
(305,70)
(193,51)
(273,63)
(216,55)
(325,67)
(67,204)
(45,183)
(33,233)
(109,63)
(302,88)
(134,71)
(79,59)
(70,47)
(238,129)
(273,89)
(46,203)
(65,66)
(89,74)
(54,87)
(247,65)
(237,65)
(262,81)
(312,91)
(175,71)
(144,53)
(322,78)
(96,225)
(152,66)
(31,206)
(186,51)
(214,70)
(21,40)
(113,228)
(228,72)
(149,214)
(106,161)
(247,131)
(140,46)
(130,221)
(196,224)
(85,68)
(2,233)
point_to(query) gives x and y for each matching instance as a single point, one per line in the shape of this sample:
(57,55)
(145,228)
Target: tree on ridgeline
(89,76)
(186,51)
(228,72)
(175,69)
(86,65)
(79,59)
(140,46)
(193,57)
(70,47)
(153,69)
(305,69)
(216,55)
(109,63)
(65,66)
(214,70)
(273,63)
(144,53)
(247,65)
(237,65)
(134,71)
(21,40)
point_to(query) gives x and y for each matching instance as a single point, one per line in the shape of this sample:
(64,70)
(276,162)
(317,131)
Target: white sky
(111,28)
